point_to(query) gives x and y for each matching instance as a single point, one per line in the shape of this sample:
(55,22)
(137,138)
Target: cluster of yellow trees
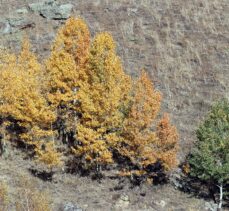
(81,96)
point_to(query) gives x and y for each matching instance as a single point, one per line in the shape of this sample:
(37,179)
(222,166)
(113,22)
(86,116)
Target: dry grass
(30,197)
(24,195)
(4,198)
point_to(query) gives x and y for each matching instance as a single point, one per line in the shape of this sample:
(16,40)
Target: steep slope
(182,44)
(108,194)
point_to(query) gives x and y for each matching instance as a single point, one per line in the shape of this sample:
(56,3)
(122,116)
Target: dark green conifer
(210,158)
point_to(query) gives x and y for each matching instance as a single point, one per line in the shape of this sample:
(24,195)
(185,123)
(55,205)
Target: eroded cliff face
(183,44)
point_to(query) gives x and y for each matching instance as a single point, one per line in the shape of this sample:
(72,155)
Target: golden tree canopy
(21,96)
(65,71)
(62,78)
(74,38)
(101,99)
(138,138)
(83,92)
(20,89)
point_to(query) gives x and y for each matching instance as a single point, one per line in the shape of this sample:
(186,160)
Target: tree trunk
(220,196)
(1,148)
(2,145)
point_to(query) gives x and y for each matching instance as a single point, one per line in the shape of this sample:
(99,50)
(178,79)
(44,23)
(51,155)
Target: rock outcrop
(51,9)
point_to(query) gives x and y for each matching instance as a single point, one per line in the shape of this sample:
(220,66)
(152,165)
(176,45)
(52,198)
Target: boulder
(51,9)
(37,7)
(4,27)
(22,11)
(69,206)
(15,24)
(20,22)
(57,12)
(123,202)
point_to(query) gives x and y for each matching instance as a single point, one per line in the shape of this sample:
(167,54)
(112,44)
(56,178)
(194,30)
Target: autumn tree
(83,92)
(167,144)
(141,144)
(62,80)
(66,72)
(209,161)
(102,99)
(138,138)
(74,38)
(21,100)
(49,156)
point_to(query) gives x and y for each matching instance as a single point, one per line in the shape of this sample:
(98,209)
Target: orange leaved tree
(74,38)
(138,138)
(167,144)
(102,99)
(141,144)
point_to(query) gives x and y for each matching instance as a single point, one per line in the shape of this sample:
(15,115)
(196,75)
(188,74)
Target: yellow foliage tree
(102,98)
(138,138)
(21,99)
(66,72)
(74,38)
(62,86)
(49,156)
(62,77)
(84,93)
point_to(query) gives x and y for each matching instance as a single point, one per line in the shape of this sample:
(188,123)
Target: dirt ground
(91,195)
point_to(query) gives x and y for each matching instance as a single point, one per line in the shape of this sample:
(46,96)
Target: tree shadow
(201,189)
(43,175)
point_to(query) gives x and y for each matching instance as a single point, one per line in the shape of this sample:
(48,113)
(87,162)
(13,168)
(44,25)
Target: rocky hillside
(182,44)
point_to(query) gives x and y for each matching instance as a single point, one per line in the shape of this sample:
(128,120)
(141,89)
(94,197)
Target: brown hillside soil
(93,195)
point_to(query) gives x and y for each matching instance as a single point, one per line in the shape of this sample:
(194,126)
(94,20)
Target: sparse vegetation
(28,196)
(31,198)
